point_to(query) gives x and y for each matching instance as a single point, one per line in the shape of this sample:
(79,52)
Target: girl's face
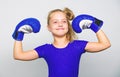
(58,24)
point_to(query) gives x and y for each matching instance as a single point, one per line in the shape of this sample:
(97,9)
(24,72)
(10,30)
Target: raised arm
(26,26)
(85,21)
(102,44)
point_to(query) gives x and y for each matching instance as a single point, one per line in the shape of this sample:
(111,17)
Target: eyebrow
(58,19)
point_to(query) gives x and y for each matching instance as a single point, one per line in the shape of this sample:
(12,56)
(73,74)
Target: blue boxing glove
(85,21)
(26,26)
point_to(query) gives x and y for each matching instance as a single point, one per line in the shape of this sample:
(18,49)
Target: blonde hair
(69,15)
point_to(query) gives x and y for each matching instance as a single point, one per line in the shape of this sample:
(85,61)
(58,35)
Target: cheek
(66,27)
(51,28)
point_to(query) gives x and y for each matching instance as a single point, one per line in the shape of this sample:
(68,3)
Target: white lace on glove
(85,24)
(26,29)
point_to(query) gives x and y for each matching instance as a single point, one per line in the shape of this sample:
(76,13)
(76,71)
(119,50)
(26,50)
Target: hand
(26,26)
(85,21)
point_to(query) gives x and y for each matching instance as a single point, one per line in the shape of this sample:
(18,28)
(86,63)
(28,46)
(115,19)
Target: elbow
(109,45)
(16,57)
(106,46)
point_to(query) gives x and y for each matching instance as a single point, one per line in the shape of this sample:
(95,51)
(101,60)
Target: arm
(25,26)
(19,54)
(102,44)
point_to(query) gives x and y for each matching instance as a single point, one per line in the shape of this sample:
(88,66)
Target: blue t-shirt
(62,62)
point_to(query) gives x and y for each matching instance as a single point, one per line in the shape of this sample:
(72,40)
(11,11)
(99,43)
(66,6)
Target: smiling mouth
(60,29)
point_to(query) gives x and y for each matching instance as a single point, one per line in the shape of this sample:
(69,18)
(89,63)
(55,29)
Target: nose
(60,24)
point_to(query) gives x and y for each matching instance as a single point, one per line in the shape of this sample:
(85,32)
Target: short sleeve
(40,50)
(84,43)
(81,44)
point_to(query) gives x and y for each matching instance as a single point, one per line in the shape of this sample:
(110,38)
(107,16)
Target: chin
(59,35)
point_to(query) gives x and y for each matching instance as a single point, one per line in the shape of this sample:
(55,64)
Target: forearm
(18,50)
(103,39)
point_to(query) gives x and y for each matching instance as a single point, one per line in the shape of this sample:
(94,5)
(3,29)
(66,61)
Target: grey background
(102,64)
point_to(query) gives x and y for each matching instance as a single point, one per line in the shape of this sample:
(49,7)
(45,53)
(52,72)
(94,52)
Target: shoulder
(43,46)
(79,42)
(41,50)
(79,45)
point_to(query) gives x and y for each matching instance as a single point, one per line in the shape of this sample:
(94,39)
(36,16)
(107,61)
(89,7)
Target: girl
(63,55)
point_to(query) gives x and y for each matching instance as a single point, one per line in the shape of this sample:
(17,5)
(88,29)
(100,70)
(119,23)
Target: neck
(60,42)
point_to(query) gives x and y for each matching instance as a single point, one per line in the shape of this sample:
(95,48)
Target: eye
(55,22)
(64,21)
